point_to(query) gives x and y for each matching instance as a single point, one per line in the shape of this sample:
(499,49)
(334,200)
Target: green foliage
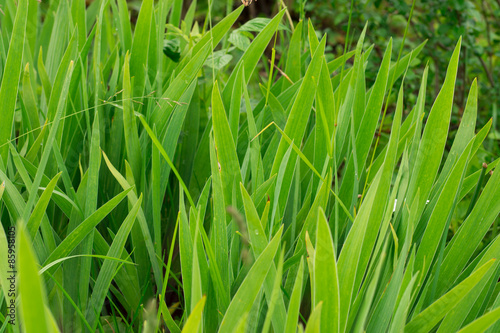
(170,177)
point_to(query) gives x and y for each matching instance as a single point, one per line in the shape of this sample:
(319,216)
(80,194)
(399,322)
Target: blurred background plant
(440,22)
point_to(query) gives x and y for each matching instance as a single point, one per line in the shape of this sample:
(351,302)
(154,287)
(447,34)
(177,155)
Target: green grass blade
(252,56)
(225,148)
(297,119)
(130,126)
(31,289)
(108,269)
(79,233)
(426,320)
(326,280)
(140,47)
(48,145)
(483,323)
(194,321)
(295,300)
(10,79)
(41,206)
(433,140)
(247,292)
(314,322)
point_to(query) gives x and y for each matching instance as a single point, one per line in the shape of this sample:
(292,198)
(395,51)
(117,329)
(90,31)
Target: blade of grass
(10,79)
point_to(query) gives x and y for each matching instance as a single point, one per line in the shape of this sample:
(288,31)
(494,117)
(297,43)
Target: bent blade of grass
(428,318)
(247,292)
(10,79)
(56,262)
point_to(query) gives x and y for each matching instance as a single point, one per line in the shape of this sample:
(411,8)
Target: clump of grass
(182,191)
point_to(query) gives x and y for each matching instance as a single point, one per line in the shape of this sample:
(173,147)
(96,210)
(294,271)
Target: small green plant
(172,178)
